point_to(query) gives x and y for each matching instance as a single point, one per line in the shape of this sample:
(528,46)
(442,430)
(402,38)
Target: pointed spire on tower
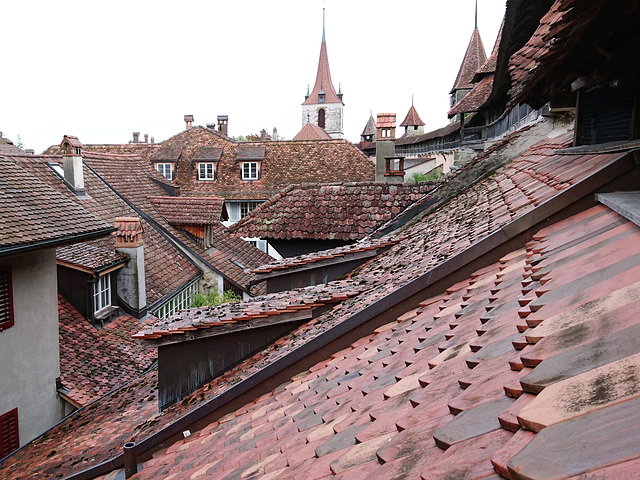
(476,27)
(323,37)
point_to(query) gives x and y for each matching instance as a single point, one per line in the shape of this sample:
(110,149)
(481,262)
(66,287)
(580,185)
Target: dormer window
(321,97)
(165,169)
(250,171)
(207,171)
(102,293)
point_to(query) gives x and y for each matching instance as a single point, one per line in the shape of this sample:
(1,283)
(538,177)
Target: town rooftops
(395,377)
(348,211)
(33,215)
(190,210)
(89,258)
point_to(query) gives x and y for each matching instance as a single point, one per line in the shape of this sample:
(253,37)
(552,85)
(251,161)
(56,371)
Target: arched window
(321,119)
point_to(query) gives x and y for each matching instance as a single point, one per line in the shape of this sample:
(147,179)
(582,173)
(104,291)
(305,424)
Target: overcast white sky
(102,70)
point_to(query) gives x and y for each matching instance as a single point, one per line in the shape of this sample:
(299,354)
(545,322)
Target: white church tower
(323,106)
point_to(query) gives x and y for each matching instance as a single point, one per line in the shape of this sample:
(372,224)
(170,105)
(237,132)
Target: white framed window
(258,243)
(207,171)
(165,170)
(181,301)
(102,293)
(250,170)
(246,207)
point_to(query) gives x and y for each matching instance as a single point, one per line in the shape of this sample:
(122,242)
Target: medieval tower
(323,106)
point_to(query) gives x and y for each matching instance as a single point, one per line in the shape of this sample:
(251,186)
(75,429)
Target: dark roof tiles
(89,257)
(474,58)
(189,210)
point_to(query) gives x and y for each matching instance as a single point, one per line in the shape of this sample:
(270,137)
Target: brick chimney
(132,290)
(72,164)
(223,124)
(385,143)
(188,119)
(136,137)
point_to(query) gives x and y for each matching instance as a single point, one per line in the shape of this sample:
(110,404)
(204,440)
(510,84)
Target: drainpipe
(130,460)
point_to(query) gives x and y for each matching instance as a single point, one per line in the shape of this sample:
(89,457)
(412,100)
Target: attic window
(207,171)
(250,171)
(102,293)
(165,170)
(57,169)
(321,98)
(6,299)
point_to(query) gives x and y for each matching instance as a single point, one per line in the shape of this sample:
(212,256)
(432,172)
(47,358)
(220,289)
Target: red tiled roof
(167,154)
(285,163)
(386,120)
(89,257)
(250,311)
(95,361)
(329,212)
(323,81)
(312,132)
(474,58)
(490,65)
(339,252)
(34,215)
(456,388)
(189,210)
(538,178)
(166,269)
(476,98)
(412,118)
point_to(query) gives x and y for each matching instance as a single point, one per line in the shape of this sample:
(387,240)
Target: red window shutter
(6,299)
(9,438)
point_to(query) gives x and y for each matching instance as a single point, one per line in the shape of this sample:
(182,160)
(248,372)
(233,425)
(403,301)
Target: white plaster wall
(29,352)
(334,121)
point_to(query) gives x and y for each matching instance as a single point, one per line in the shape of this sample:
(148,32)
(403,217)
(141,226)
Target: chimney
(223,124)
(136,137)
(188,119)
(30,151)
(132,291)
(153,140)
(72,164)
(385,143)
(211,126)
(146,138)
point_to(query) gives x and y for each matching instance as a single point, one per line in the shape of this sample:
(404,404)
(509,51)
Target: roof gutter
(56,242)
(620,165)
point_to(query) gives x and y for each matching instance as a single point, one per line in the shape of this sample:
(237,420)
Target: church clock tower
(323,106)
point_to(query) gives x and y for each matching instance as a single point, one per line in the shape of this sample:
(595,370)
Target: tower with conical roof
(323,106)
(412,123)
(474,58)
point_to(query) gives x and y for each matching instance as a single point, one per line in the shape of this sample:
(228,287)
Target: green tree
(214,298)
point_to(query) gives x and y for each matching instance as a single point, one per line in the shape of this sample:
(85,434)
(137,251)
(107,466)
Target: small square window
(206,171)
(165,170)
(246,207)
(250,171)
(6,299)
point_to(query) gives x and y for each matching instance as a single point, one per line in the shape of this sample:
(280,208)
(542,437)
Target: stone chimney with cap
(136,137)
(72,164)
(188,120)
(385,143)
(132,290)
(223,124)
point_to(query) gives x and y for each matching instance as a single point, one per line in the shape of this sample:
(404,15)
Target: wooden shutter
(6,299)
(9,438)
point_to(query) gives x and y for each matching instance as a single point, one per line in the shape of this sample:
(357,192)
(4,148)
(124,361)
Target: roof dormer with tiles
(323,106)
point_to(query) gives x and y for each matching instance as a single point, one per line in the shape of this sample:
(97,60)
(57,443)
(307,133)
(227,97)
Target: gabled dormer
(250,162)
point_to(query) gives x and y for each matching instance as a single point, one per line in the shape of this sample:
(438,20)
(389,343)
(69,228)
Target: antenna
(412,99)
(476,15)
(323,37)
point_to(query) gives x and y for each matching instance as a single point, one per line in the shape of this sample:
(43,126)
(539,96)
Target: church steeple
(323,105)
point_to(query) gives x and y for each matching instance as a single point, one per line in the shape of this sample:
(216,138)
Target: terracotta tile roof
(386,120)
(463,386)
(249,312)
(207,153)
(490,65)
(412,118)
(95,361)
(329,212)
(312,132)
(166,269)
(323,81)
(556,45)
(474,58)
(189,210)
(345,252)
(476,98)
(525,188)
(285,163)
(166,154)
(89,257)
(34,215)
(449,129)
